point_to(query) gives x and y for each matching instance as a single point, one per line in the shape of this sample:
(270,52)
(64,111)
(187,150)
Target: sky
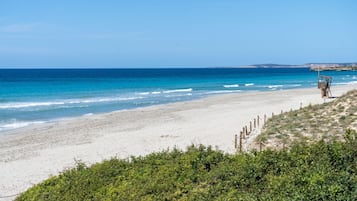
(175,33)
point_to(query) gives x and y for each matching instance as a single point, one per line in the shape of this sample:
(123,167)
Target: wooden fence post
(235,141)
(255,123)
(265,118)
(250,127)
(260,146)
(240,142)
(258,120)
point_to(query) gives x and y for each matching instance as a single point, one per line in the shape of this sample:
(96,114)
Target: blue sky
(181,33)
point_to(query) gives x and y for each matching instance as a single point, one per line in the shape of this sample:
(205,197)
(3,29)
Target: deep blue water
(30,96)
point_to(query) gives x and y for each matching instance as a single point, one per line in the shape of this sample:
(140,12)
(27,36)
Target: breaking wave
(18,105)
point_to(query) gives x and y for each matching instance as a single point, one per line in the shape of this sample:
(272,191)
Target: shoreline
(31,154)
(42,123)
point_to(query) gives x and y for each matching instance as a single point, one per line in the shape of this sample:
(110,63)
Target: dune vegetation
(312,123)
(316,171)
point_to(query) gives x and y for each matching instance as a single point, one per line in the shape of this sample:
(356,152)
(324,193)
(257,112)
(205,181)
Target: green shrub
(319,171)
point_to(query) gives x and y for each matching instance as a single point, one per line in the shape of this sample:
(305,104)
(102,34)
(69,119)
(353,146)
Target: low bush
(318,171)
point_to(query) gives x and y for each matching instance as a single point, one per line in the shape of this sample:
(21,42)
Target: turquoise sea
(35,96)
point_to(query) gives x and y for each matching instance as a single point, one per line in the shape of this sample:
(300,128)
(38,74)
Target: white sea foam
(345,83)
(249,84)
(354,77)
(177,91)
(148,93)
(231,86)
(18,124)
(173,95)
(28,104)
(274,86)
(144,93)
(222,91)
(293,85)
(109,99)
(17,105)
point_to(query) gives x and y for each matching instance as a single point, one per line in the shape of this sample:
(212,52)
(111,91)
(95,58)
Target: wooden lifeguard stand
(324,84)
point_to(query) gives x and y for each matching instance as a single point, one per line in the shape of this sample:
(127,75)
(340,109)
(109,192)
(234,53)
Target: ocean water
(35,96)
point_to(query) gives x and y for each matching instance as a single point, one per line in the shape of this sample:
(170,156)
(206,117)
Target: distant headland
(274,66)
(332,66)
(312,66)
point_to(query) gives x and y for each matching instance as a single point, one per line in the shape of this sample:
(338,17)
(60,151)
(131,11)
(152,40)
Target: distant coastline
(312,66)
(274,66)
(332,66)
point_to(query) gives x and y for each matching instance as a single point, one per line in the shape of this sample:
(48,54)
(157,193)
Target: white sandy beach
(32,154)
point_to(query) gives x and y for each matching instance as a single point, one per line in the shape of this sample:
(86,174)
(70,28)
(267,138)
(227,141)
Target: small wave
(148,93)
(28,104)
(348,77)
(293,85)
(18,105)
(144,93)
(345,83)
(177,95)
(231,86)
(98,100)
(18,124)
(274,86)
(249,84)
(177,91)
(88,114)
(222,91)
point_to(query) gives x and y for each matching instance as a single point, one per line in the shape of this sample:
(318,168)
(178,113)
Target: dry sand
(32,154)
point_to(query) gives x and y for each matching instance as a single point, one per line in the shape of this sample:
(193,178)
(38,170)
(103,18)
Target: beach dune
(32,154)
